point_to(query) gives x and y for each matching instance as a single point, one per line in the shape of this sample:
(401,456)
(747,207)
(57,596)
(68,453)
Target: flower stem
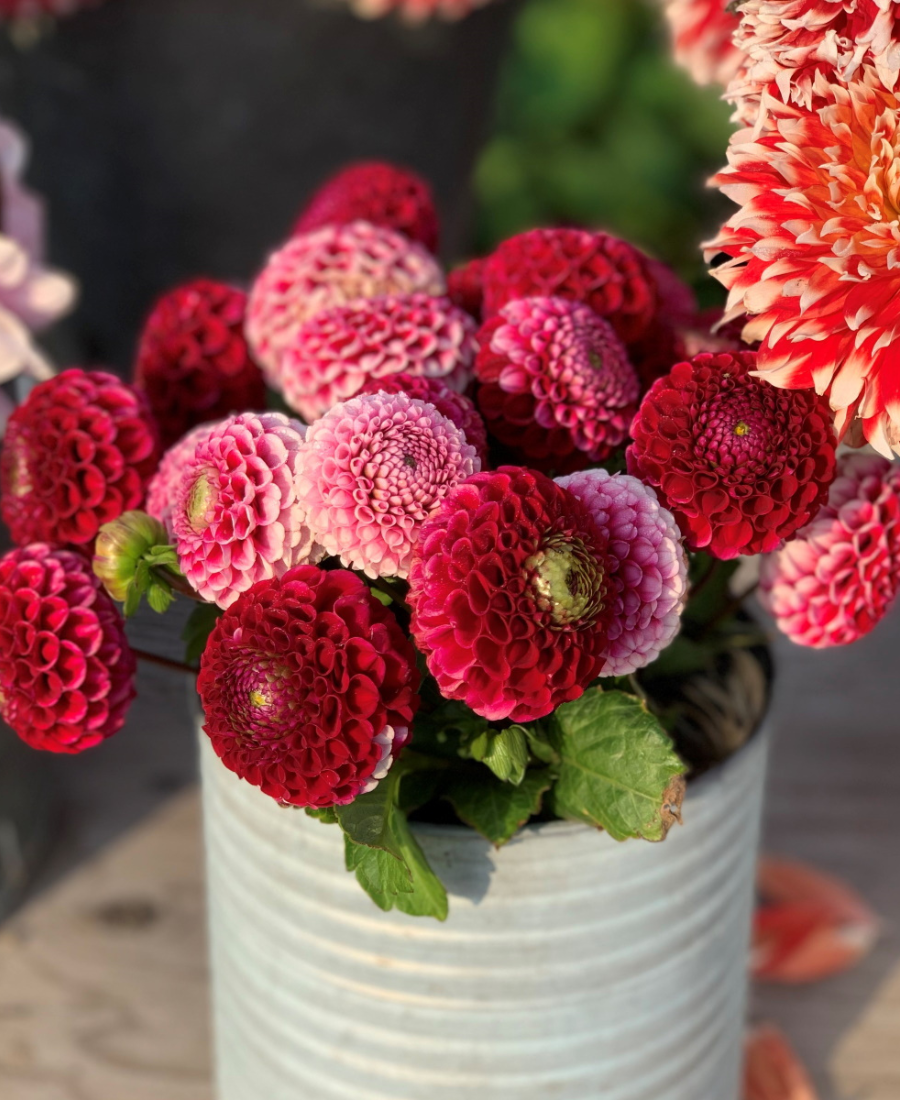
(163,662)
(385,586)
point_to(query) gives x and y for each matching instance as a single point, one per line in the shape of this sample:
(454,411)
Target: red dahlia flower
(66,672)
(556,385)
(814,250)
(612,277)
(77,454)
(465,287)
(309,687)
(193,362)
(742,465)
(379,193)
(510,590)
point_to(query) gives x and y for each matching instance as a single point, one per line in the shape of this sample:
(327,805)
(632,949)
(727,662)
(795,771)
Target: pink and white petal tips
(702,32)
(837,579)
(336,352)
(648,583)
(373,470)
(163,488)
(238,518)
(329,267)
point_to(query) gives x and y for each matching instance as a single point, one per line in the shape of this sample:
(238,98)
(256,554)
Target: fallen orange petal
(808,926)
(771,1069)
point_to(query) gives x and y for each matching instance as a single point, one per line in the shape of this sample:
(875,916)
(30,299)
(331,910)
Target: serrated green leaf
(618,768)
(540,747)
(160,597)
(497,809)
(198,629)
(369,819)
(505,753)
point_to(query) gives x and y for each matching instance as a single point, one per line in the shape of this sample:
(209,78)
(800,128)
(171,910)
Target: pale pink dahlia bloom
(814,251)
(336,352)
(163,488)
(417,11)
(372,471)
(836,580)
(702,33)
(329,267)
(237,517)
(648,584)
(32,296)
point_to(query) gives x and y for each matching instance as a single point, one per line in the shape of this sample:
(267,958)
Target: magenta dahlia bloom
(237,517)
(66,672)
(837,579)
(648,583)
(372,471)
(555,382)
(330,267)
(309,687)
(163,488)
(511,590)
(338,350)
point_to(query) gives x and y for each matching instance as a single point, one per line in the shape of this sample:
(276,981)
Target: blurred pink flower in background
(702,31)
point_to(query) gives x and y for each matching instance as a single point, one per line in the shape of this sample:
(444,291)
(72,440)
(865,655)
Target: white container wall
(571,967)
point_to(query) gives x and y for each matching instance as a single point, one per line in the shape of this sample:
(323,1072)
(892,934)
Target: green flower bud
(121,545)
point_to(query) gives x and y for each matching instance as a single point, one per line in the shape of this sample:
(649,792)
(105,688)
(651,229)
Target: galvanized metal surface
(571,967)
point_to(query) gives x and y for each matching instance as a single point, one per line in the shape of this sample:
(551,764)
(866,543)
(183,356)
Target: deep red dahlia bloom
(555,383)
(743,465)
(465,287)
(458,409)
(77,454)
(611,276)
(509,589)
(377,192)
(193,362)
(66,672)
(309,687)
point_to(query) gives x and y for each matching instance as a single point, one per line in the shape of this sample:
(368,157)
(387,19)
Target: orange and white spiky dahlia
(702,33)
(814,251)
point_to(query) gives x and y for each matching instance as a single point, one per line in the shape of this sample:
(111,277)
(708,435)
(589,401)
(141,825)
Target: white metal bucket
(571,967)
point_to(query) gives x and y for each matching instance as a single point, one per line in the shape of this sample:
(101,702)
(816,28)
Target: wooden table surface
(103,981)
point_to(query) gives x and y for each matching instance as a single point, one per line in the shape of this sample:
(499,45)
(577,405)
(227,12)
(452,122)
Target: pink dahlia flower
(417,11)
(335,352)
(163,488)
(702,32)
(510,590)
(237,518)
(66,672)
(309,687)
(648,582)
(836,580)
(330,267)
(29,9)
(555,382)
(32,296)
(373,470)
(814,265)
(434,391)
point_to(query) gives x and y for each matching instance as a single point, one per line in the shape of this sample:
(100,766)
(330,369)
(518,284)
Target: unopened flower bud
(120,545)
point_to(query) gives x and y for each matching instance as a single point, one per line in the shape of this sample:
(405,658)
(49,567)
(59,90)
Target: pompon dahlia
(609,275)
(555,383)
(373,470)
(741,464)
(330,267)
(78,452)
(376,192)
(465,287)
(237,518)
(648,583)
(815,250)
(434,391)
(836,580)
(193,362)
(66,671)
(162,491)
(702,32)
(512,596)
(335,352)
(309,687)
(661,346)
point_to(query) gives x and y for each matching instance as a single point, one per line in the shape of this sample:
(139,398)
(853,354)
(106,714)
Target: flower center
(567,581)
(20,483)
(736,433)
(198,501)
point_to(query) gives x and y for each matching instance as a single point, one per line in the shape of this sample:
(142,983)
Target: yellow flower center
(567,581)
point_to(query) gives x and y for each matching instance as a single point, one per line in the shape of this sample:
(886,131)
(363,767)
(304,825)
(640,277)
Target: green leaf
(369,819)
(382,597)
(504,752)
(198,629)
(132,600)
(496,809)
(618,769)
(326,815)
(540,747)
(160,597)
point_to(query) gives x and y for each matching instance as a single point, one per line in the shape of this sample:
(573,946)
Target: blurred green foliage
(597,126)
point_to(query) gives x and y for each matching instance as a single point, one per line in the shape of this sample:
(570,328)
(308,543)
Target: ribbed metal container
(571,967)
